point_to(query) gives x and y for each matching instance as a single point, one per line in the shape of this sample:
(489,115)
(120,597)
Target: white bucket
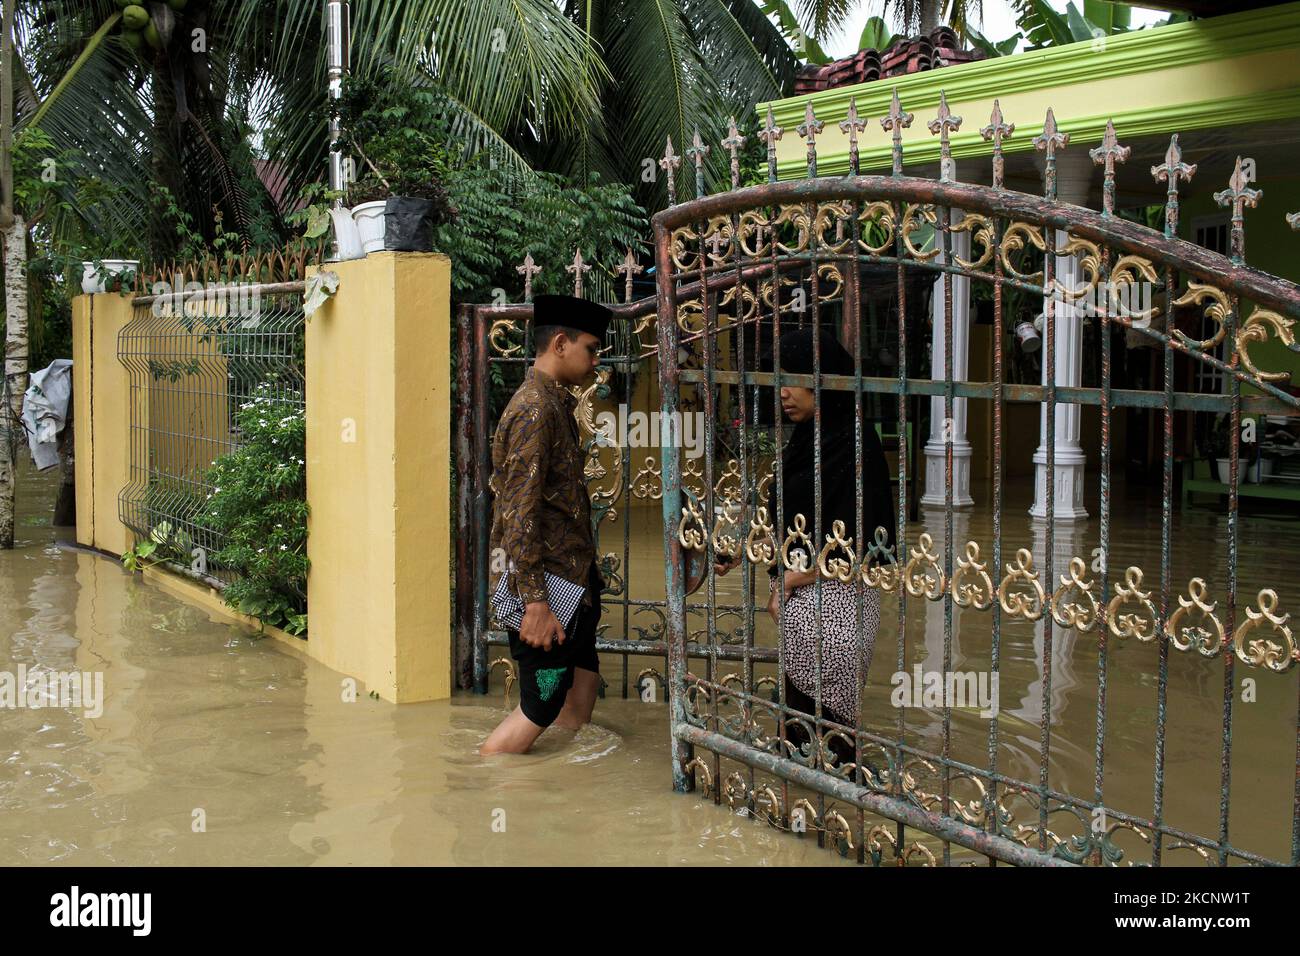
(1028,335)
(346,235)
(1252,471)
(369,217)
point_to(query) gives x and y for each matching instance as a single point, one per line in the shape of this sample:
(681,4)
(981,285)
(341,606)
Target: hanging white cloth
(45,410)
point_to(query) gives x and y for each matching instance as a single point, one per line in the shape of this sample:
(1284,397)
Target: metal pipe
(338,41)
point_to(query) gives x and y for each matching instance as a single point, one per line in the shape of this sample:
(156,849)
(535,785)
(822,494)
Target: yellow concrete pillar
(379,408)
(83,423)
(102,415)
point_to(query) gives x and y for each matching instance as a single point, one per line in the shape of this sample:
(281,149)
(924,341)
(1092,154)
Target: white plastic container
(92,281)
(346,235)
(1247,470)
(369,217)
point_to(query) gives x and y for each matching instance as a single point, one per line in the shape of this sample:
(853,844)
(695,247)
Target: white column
(936,476)
(1067,542)
(1073,172)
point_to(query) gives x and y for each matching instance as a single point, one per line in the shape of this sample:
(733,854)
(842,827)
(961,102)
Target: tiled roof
(905,55)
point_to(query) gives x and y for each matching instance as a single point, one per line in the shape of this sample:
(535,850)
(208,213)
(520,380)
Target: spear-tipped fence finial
(578,268)
(1107,155)
(697,151)
(732,144)
(1170,171)
(853,124)
(669,164)
(941,126)
(528,270)
(769,134)
(997,131)
(628,268)
(1050,140)
(896,121)
(809,130)
(1238,195)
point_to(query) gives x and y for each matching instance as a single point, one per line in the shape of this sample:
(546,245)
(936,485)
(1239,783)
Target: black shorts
(546,676)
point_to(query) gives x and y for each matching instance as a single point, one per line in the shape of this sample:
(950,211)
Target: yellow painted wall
(379,421)
(379,541)
(83,432)
(103,416)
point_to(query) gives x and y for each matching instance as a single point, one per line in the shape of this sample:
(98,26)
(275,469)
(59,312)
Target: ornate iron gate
(722,266)
(730,270)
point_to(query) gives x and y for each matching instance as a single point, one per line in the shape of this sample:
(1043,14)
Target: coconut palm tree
(162,116)
(822,17)
(575,87)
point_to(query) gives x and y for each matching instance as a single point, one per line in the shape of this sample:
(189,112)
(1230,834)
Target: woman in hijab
(841,639)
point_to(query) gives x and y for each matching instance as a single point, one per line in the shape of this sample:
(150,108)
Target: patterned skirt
(841,642)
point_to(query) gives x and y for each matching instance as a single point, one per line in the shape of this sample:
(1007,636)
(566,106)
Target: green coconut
(152,36)
(127,3)
(134,41)
(135,17)
(177,4)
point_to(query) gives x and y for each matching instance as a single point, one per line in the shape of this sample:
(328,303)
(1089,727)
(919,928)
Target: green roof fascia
(1139,51)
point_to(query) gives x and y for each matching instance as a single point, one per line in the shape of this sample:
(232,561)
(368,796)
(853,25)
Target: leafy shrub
(392,131)
(259,503)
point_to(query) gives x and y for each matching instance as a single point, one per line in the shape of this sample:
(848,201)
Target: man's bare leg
(580,702)
(514,735)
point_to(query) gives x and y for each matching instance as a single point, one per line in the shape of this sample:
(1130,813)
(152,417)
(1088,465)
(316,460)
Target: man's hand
(540,626)
(725,564)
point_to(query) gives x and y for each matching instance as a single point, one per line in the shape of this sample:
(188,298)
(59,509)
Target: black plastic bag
(408,224)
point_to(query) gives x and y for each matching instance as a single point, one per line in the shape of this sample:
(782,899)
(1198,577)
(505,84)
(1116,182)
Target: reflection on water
(201,716)
(1264,731)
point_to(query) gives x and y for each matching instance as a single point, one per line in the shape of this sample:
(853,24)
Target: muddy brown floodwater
(204,716)
(204,721)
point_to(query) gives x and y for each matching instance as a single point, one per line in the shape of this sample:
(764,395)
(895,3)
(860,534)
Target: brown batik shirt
(541,512)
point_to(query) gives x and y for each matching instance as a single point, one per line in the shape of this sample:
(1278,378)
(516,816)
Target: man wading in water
(542,524)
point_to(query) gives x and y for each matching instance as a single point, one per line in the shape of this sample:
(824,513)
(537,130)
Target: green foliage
(803,45)
(1044,26)
(313,212)
(36,165)
(164,544)
(259,503)
(990,48)
(395,132)
(505,217)
(875,35)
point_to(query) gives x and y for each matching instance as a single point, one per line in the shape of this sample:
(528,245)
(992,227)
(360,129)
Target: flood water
(206,716)
(207,723)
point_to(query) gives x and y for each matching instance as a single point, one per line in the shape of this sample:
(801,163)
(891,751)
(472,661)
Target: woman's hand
(789,582)
(797,579)
(724,564)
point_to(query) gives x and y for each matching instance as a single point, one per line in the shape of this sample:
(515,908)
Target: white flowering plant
(259,504)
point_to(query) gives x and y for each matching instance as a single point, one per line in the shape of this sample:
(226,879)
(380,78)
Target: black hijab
(838,459)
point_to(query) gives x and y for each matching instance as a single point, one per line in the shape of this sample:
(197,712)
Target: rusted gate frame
(999,208)
(473,634)
(473,443)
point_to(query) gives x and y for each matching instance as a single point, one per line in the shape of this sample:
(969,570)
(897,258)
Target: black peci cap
(572,312)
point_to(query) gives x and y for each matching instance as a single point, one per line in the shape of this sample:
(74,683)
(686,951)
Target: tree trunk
(15,374)
(929,15)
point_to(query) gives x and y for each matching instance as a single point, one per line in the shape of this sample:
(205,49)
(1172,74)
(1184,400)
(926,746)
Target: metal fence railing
(718,259)
(192,362)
